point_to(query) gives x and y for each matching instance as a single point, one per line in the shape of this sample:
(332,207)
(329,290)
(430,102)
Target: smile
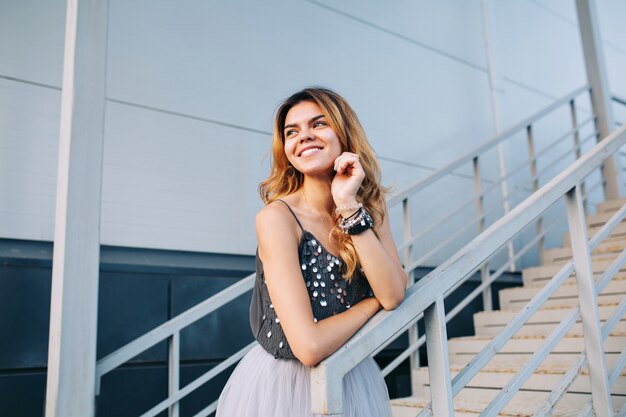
(309,151)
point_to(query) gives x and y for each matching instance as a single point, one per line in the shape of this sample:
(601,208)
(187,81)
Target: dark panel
(130,305)
(24,316)
(22,395)
(222,332)
(130,392)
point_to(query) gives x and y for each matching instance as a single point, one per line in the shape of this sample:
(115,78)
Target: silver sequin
(277,321)
(269,333)
(332,276)
(323,284)
(319,276)
(323,303)
(314,293)
(280,345)
(303,267)
(271,305)
(316,284)
(315,319)
(314,269)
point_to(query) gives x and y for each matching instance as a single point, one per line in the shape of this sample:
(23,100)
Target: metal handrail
(498,183)
(468,157)
(619,99)
(426,293)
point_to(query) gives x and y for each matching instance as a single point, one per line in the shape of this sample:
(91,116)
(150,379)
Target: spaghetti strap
(292,213)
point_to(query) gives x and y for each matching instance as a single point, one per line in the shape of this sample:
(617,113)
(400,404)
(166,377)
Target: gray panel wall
(192,87)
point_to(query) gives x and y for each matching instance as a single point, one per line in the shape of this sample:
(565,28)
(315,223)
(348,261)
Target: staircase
(481,390)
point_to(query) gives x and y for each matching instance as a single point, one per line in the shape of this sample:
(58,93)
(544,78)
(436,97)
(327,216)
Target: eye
(290,132)
(318,123)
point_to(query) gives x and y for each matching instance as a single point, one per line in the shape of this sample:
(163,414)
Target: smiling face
(311,144)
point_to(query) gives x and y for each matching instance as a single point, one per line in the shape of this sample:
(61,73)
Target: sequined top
(328,292)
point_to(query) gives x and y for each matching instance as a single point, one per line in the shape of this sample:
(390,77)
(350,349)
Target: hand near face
(348,178)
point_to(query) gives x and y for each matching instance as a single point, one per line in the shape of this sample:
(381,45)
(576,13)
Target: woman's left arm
(381,264)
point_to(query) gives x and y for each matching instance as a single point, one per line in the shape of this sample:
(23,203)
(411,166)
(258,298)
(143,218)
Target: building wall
(192,87)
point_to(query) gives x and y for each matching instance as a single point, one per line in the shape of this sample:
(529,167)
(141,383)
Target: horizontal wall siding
(192,88)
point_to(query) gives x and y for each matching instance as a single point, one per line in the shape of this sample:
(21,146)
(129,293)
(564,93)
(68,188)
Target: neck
(317,193)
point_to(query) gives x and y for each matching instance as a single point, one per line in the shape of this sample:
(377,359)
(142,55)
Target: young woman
(326,263)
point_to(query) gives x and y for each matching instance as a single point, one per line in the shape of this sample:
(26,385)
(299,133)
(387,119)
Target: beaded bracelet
(347,207)
(357,224)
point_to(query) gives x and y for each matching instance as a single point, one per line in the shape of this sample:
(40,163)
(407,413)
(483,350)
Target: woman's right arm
(310,341)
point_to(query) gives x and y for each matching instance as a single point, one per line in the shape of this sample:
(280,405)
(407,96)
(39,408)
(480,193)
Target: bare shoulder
(275,226)
(274,216)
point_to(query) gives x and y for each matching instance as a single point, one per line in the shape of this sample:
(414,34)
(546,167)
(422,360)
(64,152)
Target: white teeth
(309,151)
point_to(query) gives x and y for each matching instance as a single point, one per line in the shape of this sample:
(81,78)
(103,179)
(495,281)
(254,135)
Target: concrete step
(607,246)
(600,219)
(490,323)
(472,345)
(544,381)
(565,296)
(620,230)
(472,401)
(610,205)
(539,275)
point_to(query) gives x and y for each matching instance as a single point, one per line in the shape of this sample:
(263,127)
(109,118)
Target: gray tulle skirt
(261,386)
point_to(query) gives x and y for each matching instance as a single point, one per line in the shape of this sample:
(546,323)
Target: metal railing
(170,330)
(426,297)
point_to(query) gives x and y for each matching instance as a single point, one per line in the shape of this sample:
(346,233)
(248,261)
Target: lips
(309,150)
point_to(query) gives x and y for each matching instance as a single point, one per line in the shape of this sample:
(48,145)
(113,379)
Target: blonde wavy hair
(284,179)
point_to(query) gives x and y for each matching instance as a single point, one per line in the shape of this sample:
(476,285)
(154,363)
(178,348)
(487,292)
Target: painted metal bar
(586,411)
(407,255)
(534,180)
(591,41)
(576,138)
(202,379)
(618,99)
(165,330)
(208,410)
(174,372)
(620,362)
(459,231)
(545,410)
(488,189)
(468,299)
(560,157)
(452,166)
(384,326)
(600,392)
(564,383)
(615,318)
(71,370)
(402,356)
(485,355)
(513,386)
(480,213)
(471,296)
(438,366)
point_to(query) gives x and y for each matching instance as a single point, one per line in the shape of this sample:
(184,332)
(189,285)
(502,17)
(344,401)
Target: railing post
(438,365)
(587,299)
(600,93)
(535,185)
(577,150)
(414,359)
(174,371)
(480,210)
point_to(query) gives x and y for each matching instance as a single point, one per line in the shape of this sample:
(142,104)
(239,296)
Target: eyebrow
(319,116)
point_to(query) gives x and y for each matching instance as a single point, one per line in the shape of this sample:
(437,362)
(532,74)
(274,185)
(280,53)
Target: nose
(305,135)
